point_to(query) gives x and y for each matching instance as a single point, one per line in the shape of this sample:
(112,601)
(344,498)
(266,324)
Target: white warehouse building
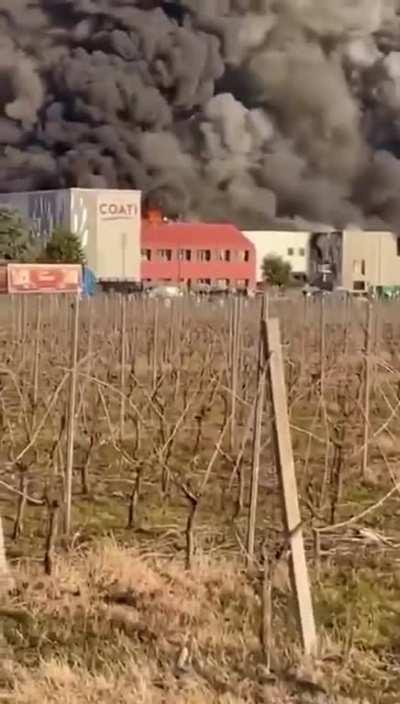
(291,245)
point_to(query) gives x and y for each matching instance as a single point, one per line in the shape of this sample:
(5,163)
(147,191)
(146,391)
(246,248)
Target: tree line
(19,244)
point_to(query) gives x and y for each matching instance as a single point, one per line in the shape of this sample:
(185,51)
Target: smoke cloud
(262,112)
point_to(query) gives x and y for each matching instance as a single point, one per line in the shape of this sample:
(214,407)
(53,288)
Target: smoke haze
(263,112)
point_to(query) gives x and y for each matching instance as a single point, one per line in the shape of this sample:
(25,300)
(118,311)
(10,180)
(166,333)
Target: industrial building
(353,259)
(291,246)
(122,248)
(107,221)
(195,254)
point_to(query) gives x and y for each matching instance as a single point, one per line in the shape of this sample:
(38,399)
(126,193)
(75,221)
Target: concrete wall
(370,257)
(287,244)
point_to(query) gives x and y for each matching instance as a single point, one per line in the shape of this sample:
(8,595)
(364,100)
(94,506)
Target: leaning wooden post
(367,386)
(286,470)
(256,445)
(71,417)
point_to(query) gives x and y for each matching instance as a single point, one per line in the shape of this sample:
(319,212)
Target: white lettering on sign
(118,211)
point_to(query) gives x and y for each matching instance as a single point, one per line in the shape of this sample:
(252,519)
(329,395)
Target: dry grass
(111,625)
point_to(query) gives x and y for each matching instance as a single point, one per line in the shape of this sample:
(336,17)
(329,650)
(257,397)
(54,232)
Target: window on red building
(184,255)
(204,255)
(146,255)
(243,256)
(164,255)
(223,255)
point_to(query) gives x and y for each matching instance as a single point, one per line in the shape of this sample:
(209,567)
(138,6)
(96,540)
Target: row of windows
(222,283)
(218,283)
(200,255)
(291,252)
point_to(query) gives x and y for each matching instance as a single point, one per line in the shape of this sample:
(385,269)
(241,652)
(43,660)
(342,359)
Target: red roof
(194,235)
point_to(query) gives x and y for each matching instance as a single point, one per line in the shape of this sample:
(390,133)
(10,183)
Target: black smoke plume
(258,111)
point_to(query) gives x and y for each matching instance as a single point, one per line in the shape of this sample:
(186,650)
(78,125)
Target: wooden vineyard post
(13,320)
(367,387)
(123,368)
(36,362)
(304,337)
(155,343)
(286,470)
(71,417)
(256,445)
(6,580)
(322,349)
(347,323)
(234,355)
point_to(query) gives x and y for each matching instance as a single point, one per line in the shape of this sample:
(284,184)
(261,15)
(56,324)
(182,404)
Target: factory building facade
(107,222)
(195,254)
(356,260)
(120,246)
(291,246)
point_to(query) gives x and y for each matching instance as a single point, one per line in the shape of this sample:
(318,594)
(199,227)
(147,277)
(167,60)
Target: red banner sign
(44,278)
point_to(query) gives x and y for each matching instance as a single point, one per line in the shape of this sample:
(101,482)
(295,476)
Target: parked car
(165,292)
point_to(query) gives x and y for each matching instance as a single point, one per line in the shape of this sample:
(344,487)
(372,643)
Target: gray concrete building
(107,221)
(354,259)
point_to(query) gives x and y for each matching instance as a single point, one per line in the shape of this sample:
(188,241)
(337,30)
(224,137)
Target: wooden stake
(256,448)
(234,369)
(22,501)
(6,579)
(51,537)
(367,386)
(266,609)
(71,418)
(286,470)
(13,316)
(123,368)
(347,322)
(304,337)
(155,343)
(322,350)
(36,364)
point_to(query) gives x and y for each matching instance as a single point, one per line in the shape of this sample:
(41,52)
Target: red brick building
(195,254)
